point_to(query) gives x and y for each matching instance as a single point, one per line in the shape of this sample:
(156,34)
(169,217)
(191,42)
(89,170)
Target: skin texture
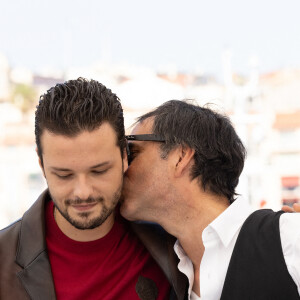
(145,180)
(85,176)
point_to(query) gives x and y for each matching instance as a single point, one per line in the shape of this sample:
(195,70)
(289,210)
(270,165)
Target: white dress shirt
(219,239)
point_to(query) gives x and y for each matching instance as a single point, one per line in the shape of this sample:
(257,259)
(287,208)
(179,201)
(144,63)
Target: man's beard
(85,223)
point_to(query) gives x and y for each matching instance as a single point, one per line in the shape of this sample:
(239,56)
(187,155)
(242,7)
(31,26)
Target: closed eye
(67,176)
(97,172)
(133,155)
(133,150)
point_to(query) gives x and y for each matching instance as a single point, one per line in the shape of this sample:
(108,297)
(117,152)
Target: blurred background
(241,57)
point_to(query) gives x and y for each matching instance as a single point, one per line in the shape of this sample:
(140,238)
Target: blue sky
(190,34)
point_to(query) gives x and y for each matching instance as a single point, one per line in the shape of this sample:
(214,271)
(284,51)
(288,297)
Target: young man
(73,243)
(186,163)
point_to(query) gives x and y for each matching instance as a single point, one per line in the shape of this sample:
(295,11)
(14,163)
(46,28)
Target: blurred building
(268,120)
(285,157)
(265,110)
(4,78)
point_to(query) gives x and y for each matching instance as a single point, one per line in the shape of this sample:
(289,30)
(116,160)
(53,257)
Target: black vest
(257,269)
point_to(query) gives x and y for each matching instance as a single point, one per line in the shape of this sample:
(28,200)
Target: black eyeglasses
(144,137)
(141,137)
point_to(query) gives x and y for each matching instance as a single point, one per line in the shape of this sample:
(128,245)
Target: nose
(82,188)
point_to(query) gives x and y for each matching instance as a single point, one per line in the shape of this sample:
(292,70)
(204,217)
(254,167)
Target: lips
(84,207)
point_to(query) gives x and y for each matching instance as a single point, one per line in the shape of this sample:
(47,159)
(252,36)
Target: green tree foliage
(24,97)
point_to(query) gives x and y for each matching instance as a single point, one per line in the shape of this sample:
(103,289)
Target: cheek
(59,190)
(136,172)
(58,193)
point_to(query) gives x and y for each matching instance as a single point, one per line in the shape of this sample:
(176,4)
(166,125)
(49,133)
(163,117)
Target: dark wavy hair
(219,153)
(78,105)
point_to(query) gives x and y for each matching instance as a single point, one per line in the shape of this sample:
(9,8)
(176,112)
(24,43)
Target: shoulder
(10,231)
(262,226)
(290,231)
(9,238)
(291,220)
(290,242)
(152,234)
(148,226)
(156,240)
(160,244)
(264,217)
(151,231)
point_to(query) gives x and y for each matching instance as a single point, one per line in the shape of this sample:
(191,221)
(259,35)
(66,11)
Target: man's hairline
(74,136)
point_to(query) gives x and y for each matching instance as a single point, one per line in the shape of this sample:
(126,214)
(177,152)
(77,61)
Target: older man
(185,165)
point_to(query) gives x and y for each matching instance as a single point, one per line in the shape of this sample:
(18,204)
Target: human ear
(40,162)
(184,157)
(125,160)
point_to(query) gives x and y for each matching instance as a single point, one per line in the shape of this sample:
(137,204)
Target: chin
(126,212)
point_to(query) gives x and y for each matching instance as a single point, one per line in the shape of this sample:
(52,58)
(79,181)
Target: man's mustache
(79,201)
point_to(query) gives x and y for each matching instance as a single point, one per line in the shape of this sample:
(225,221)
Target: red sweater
(108,268)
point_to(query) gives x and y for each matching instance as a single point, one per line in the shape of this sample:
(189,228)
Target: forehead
(143,127)
(103,130)
(101,140)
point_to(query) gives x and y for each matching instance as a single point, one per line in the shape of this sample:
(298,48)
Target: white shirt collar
(185,265)
(237,212)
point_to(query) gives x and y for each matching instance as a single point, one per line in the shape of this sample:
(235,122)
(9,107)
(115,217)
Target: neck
(187,223)
(85,235)
(198,214)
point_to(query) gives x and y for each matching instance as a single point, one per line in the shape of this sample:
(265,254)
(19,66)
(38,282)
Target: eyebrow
(69,170)
(132,144)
